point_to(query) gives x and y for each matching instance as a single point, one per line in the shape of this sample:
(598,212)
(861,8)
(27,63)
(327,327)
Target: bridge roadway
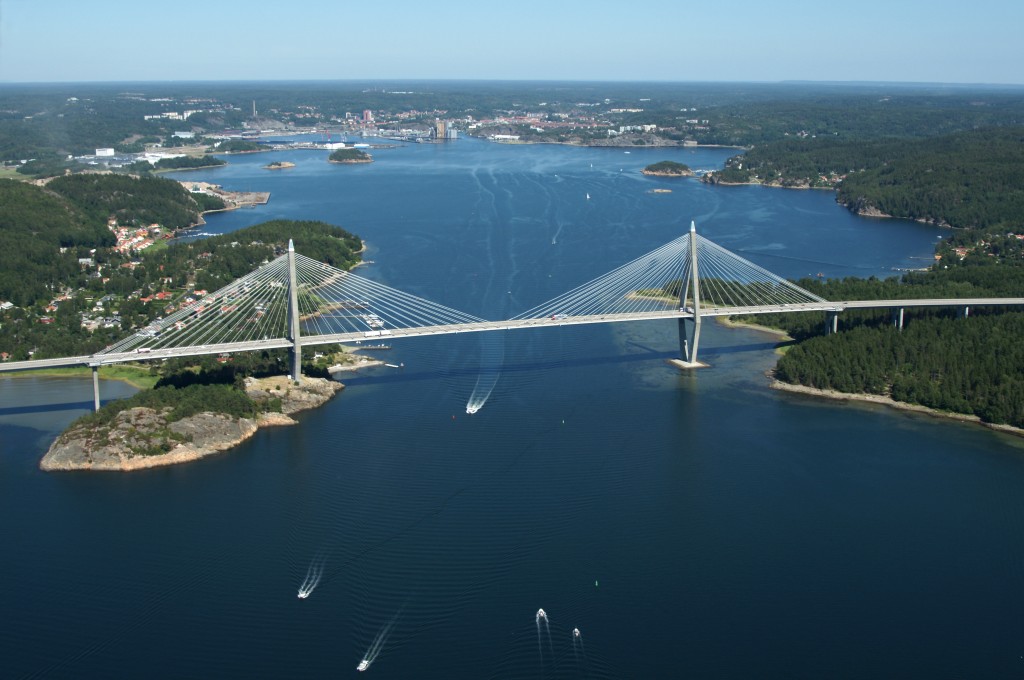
(483,326)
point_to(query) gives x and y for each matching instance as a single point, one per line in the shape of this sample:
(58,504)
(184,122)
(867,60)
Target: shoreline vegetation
(863,397)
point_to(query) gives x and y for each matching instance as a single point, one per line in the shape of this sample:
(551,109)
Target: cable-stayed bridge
(294,301)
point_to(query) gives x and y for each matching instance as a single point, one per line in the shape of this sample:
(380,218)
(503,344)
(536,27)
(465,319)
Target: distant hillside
(970,179)
(142,200)
(967,179)
(35,223)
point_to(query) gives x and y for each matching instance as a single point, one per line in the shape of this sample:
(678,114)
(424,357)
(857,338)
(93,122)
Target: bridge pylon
(689,329)
(294,332)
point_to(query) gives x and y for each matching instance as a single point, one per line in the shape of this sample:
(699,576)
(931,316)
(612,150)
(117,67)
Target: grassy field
(136,376)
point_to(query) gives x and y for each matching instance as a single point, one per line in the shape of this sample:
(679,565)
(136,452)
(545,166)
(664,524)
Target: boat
(303,594)
(363,665)
(575,632)
(588,196)
(541,615)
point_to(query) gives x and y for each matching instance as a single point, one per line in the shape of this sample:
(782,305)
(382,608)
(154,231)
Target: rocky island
(668,169)
(279,165)
(141,437)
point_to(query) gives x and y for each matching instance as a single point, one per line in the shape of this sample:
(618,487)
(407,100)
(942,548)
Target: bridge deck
(484,326)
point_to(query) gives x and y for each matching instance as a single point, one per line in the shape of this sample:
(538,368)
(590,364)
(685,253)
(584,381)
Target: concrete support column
(897,318)
(831,322)
(293,317)
(96,388)
(965,311)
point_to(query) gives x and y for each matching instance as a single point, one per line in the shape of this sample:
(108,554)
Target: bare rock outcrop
(143,437)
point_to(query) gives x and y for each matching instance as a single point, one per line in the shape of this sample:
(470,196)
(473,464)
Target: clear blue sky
(710,40)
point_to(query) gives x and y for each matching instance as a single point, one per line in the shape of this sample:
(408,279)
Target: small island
(279,165)
(170,426)
(668,169)
(349,156)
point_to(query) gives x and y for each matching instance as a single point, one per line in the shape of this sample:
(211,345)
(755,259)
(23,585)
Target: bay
(688,525)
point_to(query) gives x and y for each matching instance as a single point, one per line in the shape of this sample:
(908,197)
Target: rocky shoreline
(117,447)
(892,403)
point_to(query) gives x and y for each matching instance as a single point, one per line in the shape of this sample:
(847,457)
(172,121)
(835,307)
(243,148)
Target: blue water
(693,525)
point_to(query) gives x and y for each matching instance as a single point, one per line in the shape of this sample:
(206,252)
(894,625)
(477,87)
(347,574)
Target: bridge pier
(689,339)
(831,323)
(897,317)
(964,312)
(95,387)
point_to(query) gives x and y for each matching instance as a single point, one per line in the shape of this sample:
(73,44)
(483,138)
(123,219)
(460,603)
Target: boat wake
(313,576)
(542,624)
(378,644)
(578,650)
(492,358)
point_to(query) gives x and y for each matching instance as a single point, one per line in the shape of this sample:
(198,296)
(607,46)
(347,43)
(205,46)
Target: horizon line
(790,81)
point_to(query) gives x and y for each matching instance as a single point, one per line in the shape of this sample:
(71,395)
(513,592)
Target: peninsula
(135,437)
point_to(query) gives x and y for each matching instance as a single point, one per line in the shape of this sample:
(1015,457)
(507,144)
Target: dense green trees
(973,365)
(968,179)
(188,162)
(35,225)
(668,168)
(132,201)
(971,179)
(239,146)
(348,155)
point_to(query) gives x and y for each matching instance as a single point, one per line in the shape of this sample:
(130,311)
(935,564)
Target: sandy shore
(729,322)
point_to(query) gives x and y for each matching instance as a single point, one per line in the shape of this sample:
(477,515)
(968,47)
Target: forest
(973,365)
(969,366)
(967,179)
(138,201)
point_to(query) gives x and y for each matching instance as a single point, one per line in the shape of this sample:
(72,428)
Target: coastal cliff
(142,437)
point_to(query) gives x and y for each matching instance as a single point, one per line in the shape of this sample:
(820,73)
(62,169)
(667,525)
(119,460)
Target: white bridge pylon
(258,309)
(688,273)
